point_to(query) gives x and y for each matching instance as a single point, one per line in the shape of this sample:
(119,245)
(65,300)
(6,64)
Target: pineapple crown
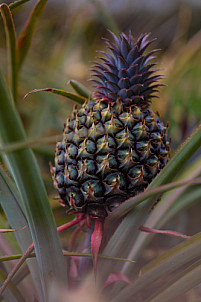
(127,74)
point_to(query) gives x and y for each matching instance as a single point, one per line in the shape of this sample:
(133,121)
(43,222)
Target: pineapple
(114,145)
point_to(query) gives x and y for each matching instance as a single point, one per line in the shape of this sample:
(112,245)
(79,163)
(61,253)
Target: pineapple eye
(106,145)
(140,131)
(83,132)
(116,179)
(87,149)
(72,151)
(164,151)
(152,161)
(90,146)
(59,159)
(110,161)
(60,146)
(73,173)
(82,120)
(90,165)
(106,115)
(60,180)
(155,137)
(93,188)
(125,154)
(136,171)
(75,196)
(137,113)
(125,139)
(89,121)
(59,168)
(127,119)
(142,146)
(97,115)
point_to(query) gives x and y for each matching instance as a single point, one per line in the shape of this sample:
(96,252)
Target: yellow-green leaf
(67,94)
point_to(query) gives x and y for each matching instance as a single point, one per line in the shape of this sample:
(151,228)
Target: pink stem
(70,224)
(16,267)
(165,232)
(96,242)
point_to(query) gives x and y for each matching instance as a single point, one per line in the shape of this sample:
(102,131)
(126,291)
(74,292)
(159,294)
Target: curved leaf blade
(30,143)
(12,46)
(164,232)
(67,254)
(10,202)
(79,88)
(180,285)
(67,94)
(175,258)
(33,195)
(16,268)
(11,294)
(17,4)
(26,36)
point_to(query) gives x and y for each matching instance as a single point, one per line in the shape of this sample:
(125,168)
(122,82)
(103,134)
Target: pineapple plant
(114,145)
(24,198)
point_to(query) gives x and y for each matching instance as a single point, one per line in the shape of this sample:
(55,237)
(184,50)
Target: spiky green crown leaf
(127,74)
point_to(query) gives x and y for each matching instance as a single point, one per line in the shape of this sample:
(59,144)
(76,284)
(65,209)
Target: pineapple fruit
(114,145)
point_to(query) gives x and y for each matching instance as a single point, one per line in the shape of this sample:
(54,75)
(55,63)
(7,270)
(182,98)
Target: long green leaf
(68,254)
(79,88)
(12,46)
(35,202)
(15,269)
(11,294)
(167,263)
(67,94)
(186,280)
(10,202)
(17,4)
(29,143)
(26,35)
